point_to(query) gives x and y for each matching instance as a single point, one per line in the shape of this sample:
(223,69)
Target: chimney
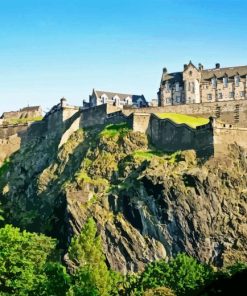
(217,65)
(164,70)
(200,66)
(185,66)
(63,102)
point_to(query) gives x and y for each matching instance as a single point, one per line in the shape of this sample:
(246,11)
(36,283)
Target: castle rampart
(232,112)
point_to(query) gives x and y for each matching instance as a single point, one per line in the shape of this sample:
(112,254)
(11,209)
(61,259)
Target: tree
(183,274)
(91,276)
(23,256)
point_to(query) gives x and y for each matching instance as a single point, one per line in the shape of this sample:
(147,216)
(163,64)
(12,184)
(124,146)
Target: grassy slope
(181,118)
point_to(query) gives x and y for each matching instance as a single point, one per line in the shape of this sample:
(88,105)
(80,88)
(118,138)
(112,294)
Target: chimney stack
(217,65)
(200,66)
(164,70)
(185,66)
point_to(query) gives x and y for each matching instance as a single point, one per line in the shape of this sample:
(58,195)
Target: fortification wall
(10,130)
(169,136)
(141,122)
(8,147)
(223,136)
(233,112)
(93,116)
(29,112)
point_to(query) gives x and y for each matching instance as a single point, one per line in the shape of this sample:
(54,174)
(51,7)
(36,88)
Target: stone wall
(169,136)
(28,112)
(8,147)
(233,112)
(8,131)
(140,122)
(223,136)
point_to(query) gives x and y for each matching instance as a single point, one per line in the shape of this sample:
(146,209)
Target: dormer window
(237,80)
(104,99)
(225,81)
(214,82)
(177,86)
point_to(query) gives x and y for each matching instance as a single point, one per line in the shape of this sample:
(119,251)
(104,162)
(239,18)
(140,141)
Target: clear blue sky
(55,48)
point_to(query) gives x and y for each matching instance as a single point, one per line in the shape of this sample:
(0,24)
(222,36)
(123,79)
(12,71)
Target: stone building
(199,85)
(27,112)
(116,99)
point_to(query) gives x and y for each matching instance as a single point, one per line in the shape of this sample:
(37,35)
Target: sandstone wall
(8,131)
(8,147)
(29,112)
(223,136)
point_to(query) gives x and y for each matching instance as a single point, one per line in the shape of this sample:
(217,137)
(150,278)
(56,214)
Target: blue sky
(55,48)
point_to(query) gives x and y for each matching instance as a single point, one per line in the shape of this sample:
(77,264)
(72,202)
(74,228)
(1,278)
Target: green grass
(21,120)
(113,130)
(186,119)
(147,154)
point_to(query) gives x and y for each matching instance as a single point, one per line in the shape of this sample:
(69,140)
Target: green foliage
(91,274)
(186,119)
(183,274)
(4,167)
(23,257)
(112,130)
(57,281)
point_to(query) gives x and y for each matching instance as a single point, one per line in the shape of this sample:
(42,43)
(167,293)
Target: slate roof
(173,77)
(221,72)
(111,95)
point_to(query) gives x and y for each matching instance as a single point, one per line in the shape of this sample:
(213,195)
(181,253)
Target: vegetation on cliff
(148,206)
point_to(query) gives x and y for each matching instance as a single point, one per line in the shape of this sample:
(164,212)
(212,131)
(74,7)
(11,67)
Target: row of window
(168,86)
(225,81)
(220,95)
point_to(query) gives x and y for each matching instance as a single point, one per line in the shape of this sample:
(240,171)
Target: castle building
(119,100)
(199,85)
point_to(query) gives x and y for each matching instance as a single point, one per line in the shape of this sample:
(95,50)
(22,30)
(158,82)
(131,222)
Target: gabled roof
(110,95)
(222,72)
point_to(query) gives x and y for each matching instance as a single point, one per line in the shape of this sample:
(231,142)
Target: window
(167,86)
(231,94)
(190,73)
(242,94)
(209,97)
(193,87)
(178,99)
(177,86)
(237,80)
(220,96)
(214,82)
(188,86)
(189,99)
(225,81)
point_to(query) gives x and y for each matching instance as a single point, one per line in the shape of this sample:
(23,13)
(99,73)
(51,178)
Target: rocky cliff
(147,204)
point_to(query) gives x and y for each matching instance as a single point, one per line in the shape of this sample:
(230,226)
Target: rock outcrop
(148,205)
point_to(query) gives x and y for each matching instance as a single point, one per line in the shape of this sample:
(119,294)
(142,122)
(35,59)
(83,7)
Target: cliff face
(147,205)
